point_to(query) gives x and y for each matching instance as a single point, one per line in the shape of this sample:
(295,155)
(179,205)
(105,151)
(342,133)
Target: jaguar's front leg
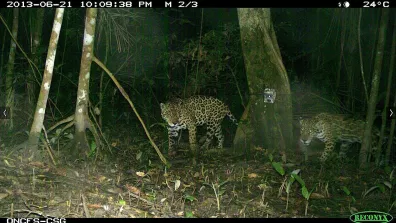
(329,147)
(172,132)
(192,131)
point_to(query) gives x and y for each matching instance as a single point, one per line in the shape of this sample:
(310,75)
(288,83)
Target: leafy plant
(390,183)
(304,190)
(264,186)
(218,191)
(348,193)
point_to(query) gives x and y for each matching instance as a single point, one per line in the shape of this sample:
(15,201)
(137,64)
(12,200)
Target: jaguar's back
(195,111)
(331,128)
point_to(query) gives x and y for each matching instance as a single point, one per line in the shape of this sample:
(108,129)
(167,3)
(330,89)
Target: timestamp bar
(100,4)
(196,4)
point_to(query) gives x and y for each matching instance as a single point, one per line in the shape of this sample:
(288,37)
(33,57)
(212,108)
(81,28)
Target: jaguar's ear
(162,105)
(301,119)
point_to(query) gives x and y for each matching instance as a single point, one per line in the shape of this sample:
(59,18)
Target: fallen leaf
(37,164)
(177,184)
(343,178)
(102,178)
(96,206)
(317,196)
(328,209)
(133,189)
(8,164)
(258,148)
(252,175)
(354,210)
(3,195)
(140,174)
(61,171)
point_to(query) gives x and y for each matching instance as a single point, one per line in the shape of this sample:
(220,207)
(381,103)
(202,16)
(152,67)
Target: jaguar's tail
(233,119)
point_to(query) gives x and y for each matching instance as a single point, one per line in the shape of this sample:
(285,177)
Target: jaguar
(192,112)
(333,128)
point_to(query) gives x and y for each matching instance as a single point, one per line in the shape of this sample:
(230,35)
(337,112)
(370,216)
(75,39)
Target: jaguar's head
(307,130)
(169,114)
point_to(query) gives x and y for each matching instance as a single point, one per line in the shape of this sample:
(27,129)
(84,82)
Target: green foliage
(190,198)
(122,202)
(189,214)
(348,193)
(298,178)
(305,192)
(346,190)
(92,150)
(278,167)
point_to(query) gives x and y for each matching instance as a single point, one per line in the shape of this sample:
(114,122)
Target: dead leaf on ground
(317,196)
(37,164)
(3,195)
(252,175)
(133,189)
(96,206)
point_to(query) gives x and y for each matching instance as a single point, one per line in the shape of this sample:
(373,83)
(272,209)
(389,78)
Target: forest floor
(132,182)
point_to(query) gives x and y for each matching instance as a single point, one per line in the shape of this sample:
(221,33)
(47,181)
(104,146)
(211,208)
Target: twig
(86,211)
(47,145)
(29,212)
(140,198)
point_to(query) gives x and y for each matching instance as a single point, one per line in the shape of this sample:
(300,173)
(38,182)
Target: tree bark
(10,70)
(263,124)
(388,90)
(37,33)
(39,114)
(81,118)
(391,134)
(350,54)
(366,143)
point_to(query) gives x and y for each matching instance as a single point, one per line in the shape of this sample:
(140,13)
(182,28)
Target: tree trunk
(391,134)
(366,143)
(39,114)
(81,118)
(10,70)
(350,54)
(384,112)
(37,33)
(264,124)
(2,77)
(342,46)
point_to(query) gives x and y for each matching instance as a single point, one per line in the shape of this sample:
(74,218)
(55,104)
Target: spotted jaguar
(331,128)
(192,112)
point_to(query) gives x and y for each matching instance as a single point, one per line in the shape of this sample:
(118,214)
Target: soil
(127,179)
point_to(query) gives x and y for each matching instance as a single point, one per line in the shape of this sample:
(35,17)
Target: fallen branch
(86,211)
(63,121)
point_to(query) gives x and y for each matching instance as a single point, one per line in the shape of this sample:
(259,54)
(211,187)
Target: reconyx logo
(371,216)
